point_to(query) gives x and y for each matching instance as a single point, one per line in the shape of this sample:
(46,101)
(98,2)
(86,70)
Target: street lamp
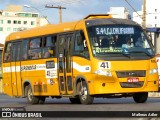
(28,6)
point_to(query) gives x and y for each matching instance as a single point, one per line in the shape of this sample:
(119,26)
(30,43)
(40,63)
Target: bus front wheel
(140,97)
(30,97)
(84,96)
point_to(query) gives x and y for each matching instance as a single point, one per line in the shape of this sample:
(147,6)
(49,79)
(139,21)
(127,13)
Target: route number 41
(104,65)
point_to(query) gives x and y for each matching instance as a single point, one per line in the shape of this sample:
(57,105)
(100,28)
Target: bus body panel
(99,84)
(36,72)
(7,79)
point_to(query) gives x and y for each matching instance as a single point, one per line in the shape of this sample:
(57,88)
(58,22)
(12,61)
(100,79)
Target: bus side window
(7,54)
(49,45)
(35,43)
(35,46)
(34,54)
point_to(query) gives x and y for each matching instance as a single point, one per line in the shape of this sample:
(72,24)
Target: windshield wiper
(121,53)
(142,52)
(126,55)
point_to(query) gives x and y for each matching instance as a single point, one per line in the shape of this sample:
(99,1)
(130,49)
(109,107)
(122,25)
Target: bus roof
(43,30)
(93,19)
(53,28)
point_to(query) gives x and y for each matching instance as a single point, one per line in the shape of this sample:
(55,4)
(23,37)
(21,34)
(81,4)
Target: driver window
(80,45)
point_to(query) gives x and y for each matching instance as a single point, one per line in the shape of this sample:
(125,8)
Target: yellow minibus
(98,56)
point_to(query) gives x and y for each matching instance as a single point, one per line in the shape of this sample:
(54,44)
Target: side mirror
(85,43)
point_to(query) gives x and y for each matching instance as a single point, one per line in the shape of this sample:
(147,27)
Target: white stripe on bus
(34,67)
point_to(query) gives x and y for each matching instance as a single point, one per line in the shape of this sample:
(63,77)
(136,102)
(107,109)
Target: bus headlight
(153,71)
(103,72)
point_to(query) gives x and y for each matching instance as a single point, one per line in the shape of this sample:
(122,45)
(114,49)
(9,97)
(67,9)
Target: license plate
(133,79)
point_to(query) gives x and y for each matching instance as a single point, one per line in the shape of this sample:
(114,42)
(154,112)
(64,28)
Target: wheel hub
(30,95)
(83,93)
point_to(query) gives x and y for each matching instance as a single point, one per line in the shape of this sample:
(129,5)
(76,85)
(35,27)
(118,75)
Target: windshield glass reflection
(119,39)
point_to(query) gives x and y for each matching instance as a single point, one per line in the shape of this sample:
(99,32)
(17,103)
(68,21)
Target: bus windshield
(125,41)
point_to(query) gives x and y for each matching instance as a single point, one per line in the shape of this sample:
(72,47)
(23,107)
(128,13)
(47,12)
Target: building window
(6,14)
(32,22)
(1,21)
(15,22)
(27,15)
(155,25)
(155,17)
(19,22)
(9,21)
(14,29)
(155,10)
(21,14)
(34,15)
(1,28)
(25,22)
(8,29)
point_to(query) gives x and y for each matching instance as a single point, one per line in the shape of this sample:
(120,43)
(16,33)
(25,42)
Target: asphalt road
(100,104)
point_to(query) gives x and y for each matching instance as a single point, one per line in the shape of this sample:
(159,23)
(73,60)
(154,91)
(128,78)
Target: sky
(75,9)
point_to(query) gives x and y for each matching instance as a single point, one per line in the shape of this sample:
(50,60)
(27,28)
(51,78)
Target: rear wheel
(140,97)
(75,100)
(84,96)
(30,97)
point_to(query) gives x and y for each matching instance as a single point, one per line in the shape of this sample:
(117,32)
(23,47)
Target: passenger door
(65,64)
(15,69)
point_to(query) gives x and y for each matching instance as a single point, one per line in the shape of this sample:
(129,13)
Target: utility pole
(60,11)
(144,15)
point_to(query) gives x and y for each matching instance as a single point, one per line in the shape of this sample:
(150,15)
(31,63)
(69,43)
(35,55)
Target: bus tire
(30,97)
(84,96)
(75,100)
(140,97)
(42,100)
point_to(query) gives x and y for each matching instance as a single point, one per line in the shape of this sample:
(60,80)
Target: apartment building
(152,14)
(120,12)
(14,19)
(152,20)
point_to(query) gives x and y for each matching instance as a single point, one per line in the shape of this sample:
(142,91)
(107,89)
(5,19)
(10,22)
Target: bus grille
(131,84)
(135,73)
